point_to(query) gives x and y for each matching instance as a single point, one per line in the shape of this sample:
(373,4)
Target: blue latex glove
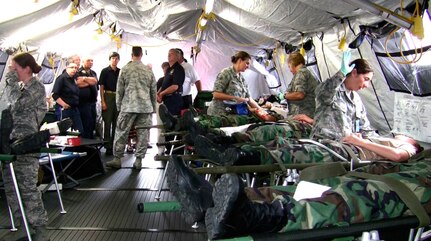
(281,96)
(345,68)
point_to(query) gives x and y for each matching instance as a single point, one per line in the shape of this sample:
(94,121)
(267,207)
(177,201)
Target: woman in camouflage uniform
(26,97)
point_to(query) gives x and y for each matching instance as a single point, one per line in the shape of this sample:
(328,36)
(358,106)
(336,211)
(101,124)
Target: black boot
(195,128)
(191,190)
(235,215)
(167,118)
(235,156)
(208,149)
(221,139)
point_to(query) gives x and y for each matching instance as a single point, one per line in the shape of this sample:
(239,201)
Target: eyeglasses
(72,67)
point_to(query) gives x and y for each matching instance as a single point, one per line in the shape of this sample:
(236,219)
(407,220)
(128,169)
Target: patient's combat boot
(235,156)
(208,149)
(138,163)
(194,127)
(235,215)
(191,190)
(31,143)
(220,139)
(167,118)
(115,163)
(41,234)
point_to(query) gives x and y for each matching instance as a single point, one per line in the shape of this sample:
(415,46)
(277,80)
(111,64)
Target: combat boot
(115,163)
(195,128)
(138,163)
(41,234)
(236,156)
(167,118)
(208,149)
(180,124)
(235,215)
(221,139)
(192,191)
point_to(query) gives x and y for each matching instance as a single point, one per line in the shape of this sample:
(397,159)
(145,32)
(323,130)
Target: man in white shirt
(192,78)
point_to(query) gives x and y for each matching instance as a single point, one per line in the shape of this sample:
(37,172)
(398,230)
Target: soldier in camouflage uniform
(300,94)
(230,86)
(339,108)
(26,96)
(136,101)
(350,200)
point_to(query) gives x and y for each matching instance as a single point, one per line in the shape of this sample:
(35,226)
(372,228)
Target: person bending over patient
(300,92)
(230,85)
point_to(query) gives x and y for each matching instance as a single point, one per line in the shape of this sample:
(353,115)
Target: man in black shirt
(87,82)
(172,86)
(108,86)
(66,93)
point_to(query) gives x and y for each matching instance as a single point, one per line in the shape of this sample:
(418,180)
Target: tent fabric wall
(253,26)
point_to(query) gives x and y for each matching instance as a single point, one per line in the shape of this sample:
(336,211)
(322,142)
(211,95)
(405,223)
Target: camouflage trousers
(26,169)
(125,122)
(288,151)
(285,129)
(352,200)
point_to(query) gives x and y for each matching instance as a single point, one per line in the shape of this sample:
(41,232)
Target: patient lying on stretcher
(262,143)
(228,209)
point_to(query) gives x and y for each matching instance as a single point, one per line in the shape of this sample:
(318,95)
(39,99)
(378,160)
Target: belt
(109,92)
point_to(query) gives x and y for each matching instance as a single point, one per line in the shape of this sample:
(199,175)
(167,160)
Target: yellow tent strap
(342,44)
(417,55)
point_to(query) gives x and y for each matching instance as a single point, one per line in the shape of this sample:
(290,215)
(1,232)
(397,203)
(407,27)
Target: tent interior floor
(105,207)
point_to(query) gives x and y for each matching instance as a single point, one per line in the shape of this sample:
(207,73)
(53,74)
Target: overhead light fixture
(209,5)
(203,22)
(380,11)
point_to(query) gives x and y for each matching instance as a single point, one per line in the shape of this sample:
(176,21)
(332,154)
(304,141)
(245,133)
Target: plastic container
(74,141)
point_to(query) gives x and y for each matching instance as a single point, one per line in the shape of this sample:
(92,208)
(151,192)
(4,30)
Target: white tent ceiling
(259,23)
(157,25)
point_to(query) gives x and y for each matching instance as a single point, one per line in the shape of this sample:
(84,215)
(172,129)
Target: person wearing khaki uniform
(136,101)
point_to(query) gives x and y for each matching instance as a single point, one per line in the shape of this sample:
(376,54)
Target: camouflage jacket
(339,112)
(28,105)
(228,82)
(136,89)
(303,81)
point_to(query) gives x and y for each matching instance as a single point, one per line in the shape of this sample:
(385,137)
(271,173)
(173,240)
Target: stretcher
(407,224)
